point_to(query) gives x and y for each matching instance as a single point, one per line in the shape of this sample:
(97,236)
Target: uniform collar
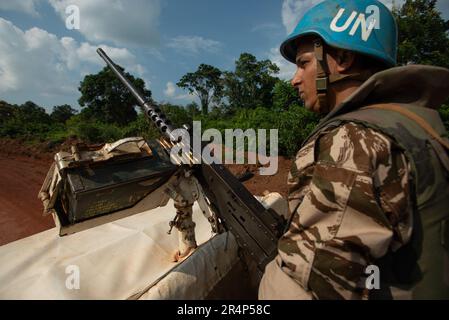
(418,85)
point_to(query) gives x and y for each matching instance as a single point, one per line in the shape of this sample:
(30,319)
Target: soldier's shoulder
(354,146)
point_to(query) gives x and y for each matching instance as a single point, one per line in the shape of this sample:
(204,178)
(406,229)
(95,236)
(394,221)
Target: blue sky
(43,61)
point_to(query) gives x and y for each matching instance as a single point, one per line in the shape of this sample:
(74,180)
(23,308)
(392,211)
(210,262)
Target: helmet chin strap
(324,78)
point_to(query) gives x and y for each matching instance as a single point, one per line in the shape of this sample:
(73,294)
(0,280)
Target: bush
(93,131)
(178,115)
(27,120)
(57,136)
(141,127)
(294,124)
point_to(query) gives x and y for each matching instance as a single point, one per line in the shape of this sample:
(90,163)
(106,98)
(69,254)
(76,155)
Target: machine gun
(255,228)
(93,185)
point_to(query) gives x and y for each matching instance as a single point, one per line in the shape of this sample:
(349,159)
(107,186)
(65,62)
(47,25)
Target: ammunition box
(100,188)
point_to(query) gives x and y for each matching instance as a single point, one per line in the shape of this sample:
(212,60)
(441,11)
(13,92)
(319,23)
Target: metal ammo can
(98,182)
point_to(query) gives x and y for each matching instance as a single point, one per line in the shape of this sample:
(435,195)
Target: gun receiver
(255,228)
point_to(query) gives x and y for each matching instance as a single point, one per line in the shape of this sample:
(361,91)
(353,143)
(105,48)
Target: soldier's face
(305,77)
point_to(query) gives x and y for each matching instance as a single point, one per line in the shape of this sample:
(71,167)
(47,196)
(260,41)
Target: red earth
(23,169)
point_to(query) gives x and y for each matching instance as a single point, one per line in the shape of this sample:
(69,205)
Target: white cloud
(39,66)
(170,90)
(86,52)
(194,44)
(286,68)
(116,21)
(26,6)
(188,97)
(293,10)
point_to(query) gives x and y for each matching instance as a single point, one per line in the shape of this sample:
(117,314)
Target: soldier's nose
(297,79)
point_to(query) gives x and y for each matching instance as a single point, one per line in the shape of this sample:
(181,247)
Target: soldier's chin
(312,105)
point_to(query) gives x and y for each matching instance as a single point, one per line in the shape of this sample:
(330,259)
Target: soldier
(368,191)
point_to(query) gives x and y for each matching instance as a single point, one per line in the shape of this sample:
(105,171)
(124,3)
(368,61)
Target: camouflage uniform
(350,199)
(343,224)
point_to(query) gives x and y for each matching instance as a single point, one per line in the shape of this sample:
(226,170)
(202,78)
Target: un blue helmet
(364,26)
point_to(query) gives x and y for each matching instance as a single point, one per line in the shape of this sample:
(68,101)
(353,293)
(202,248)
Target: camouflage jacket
(350,204)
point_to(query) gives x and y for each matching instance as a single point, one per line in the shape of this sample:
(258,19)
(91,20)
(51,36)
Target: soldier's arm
(351,212)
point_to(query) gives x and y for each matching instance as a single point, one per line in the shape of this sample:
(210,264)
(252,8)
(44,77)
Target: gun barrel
(152,112)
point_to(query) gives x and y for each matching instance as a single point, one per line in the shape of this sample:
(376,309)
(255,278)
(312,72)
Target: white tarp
(130,258)
(118,260)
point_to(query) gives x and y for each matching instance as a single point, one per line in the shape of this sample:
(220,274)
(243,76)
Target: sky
(157,40)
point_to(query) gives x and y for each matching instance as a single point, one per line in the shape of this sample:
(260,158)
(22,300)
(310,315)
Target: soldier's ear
(345,60)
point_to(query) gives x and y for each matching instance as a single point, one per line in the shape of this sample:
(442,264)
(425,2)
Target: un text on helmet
(366,24)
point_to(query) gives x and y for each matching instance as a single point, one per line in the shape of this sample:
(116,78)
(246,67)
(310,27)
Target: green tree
(106,99)
(141,128)
(294,125)
(6,111)
(284,95)
(205,83)
(62,113)
(193,109)
(27,120)
(178,115)
(423,37)
(252,83)
(31,113)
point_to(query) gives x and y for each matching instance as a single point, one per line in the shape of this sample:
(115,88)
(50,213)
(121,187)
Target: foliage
(178,115)
(423,37)
(62,113)
(6,111)
(107,99)
(251,84)
(284,95)
(193,109)
(31,112)
(140,128)
(293,124)
(26,120)
(205,83)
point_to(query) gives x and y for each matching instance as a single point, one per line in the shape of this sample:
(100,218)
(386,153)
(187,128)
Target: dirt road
(20,211)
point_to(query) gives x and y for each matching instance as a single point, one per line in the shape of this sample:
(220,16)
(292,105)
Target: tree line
(250,96)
